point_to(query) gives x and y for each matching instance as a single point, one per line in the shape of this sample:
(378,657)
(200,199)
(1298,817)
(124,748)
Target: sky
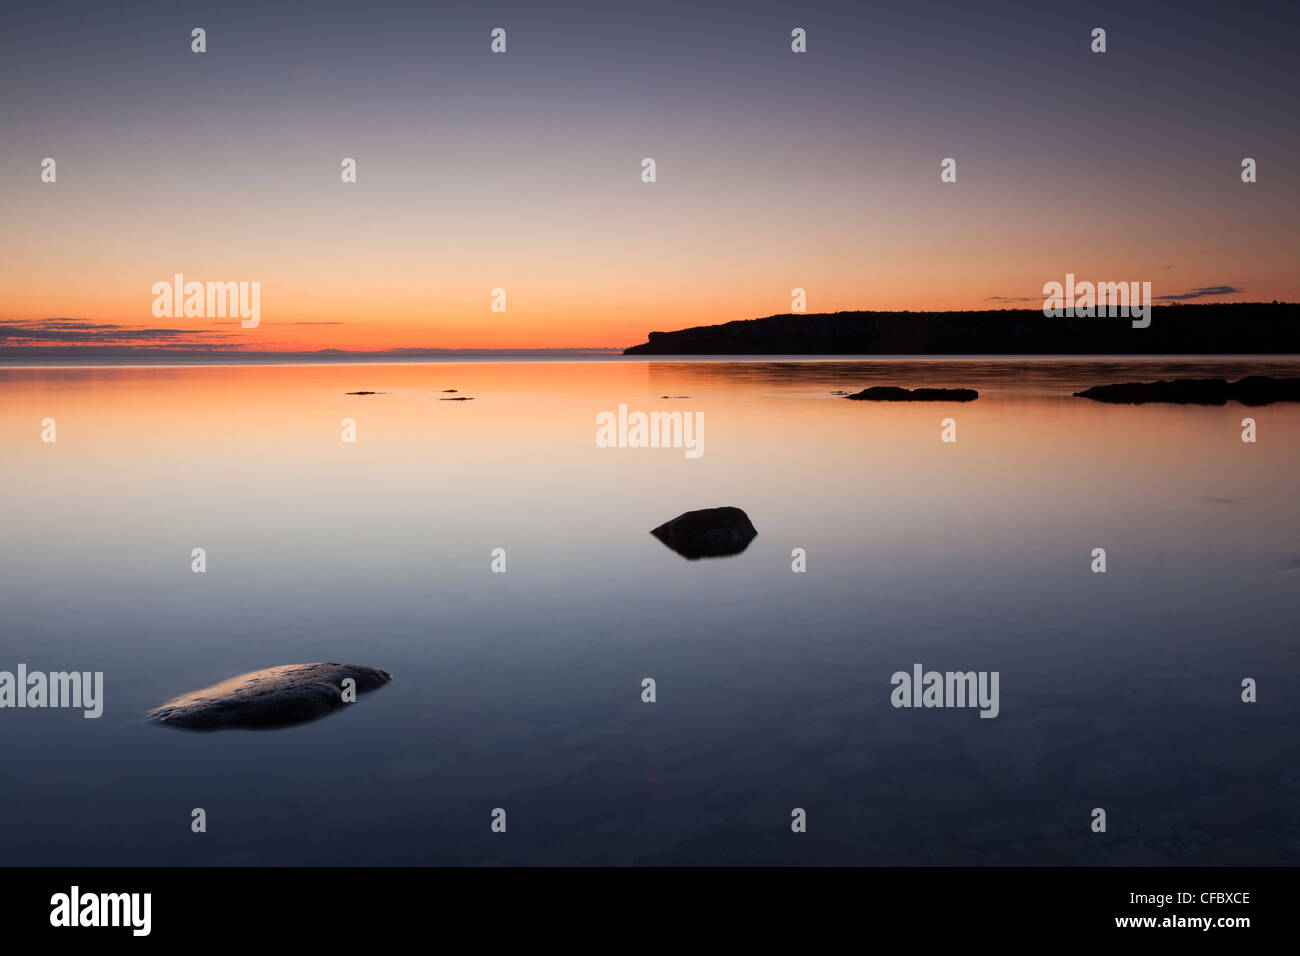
(522,171)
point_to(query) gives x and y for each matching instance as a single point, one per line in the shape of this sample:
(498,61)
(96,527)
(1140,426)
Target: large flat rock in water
(708,533)
(274,697)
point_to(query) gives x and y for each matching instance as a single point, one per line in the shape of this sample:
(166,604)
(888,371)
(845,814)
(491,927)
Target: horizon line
(52,348)
(736,357)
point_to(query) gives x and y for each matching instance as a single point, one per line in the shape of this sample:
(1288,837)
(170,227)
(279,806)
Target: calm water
(522,690)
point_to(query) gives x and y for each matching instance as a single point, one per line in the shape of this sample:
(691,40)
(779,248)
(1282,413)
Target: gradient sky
(522,170)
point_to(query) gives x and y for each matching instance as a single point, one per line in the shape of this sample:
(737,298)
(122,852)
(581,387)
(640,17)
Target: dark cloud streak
(1202,293)
(18,332)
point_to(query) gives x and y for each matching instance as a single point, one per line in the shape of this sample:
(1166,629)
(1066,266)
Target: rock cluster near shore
(1252,390)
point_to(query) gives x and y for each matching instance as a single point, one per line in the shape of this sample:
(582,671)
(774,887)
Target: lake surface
(522,690)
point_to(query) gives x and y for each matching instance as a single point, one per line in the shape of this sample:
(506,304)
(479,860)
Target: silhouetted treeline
(1221,328)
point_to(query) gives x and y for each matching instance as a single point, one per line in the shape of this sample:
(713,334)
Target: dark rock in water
(892,393)
(363,393)
(710,533)
(1252,390)
(458,398)
(449,390)
(1263,390)
(674,396)
(1182,391)
(274,697)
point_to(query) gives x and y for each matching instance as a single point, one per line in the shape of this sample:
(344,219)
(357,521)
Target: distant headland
(1229,328)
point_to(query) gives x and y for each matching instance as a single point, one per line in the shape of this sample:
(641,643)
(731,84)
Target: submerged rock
(709,533)
(1263,390)
(274,697)
(892,393)
(458,398)
(362,393)
(1251,390)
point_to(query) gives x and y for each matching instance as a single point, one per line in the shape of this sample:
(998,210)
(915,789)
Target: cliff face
(1229,328)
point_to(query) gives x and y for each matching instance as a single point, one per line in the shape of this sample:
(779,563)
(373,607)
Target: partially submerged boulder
(1251,390)
(892,393)
(274,697)
(1180,391)
(708,533)
(1264,390)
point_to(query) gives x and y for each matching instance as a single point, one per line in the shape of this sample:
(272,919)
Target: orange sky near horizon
(599,258)
(583,290)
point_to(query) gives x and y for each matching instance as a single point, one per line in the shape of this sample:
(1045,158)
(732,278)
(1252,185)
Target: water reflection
(522,688)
